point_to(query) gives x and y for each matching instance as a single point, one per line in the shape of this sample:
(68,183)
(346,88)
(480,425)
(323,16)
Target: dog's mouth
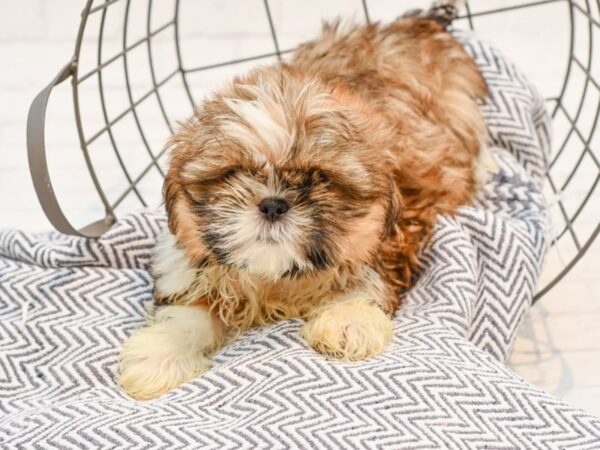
(270,233)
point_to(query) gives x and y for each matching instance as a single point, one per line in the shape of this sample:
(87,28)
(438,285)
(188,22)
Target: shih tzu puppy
(306,190)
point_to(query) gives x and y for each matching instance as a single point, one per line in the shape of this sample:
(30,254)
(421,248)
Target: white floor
(558,348)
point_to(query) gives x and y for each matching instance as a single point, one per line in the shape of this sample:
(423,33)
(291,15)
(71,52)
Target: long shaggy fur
(368,134)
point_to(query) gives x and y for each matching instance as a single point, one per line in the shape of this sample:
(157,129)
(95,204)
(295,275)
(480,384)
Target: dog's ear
(183,222)
(171,193)
(393,211)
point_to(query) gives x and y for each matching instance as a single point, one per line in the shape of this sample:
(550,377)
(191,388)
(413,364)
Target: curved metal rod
(129,96)
(272,28)
(581,100)
(38,165)
(105,113)
(568,69)
(568,224)
(237,61)
(152,72)
(585,141)
(581,250)
(179,60)
(568,267)
(366,11)
(75,89)
(469,15)
(586,151)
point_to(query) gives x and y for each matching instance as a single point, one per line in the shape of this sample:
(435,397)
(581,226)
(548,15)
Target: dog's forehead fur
(274,119)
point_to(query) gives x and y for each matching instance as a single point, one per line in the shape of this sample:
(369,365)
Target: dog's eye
(200,186)
(302,181)
(211,177)
(341,184)
(222,175)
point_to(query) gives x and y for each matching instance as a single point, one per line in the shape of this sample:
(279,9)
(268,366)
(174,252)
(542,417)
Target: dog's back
(413,58)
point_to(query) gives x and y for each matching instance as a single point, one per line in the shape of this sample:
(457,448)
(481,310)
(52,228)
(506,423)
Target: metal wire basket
(139,65)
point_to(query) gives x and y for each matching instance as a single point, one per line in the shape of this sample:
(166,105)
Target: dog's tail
(442,11)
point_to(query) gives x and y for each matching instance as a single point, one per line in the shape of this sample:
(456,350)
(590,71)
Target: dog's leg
(174,347)
(351,328)
(355,325)
(170,351)
(171,268)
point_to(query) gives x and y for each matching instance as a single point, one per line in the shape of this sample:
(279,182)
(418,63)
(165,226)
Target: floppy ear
(393,211)
(171,192)
(184,223)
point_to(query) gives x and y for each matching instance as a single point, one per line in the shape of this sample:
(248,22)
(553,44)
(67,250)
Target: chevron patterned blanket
(67,303)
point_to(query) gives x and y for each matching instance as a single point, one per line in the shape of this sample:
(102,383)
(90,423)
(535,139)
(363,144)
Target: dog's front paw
(349,329)
(166,354)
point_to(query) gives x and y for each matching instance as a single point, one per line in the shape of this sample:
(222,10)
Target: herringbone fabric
(67,303)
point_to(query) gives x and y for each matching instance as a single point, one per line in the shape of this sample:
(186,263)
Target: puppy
(307,190)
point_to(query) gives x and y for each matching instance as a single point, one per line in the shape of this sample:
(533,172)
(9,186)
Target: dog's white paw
(169,352)
(350,329)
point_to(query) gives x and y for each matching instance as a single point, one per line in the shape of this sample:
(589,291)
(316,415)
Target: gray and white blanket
(67,303)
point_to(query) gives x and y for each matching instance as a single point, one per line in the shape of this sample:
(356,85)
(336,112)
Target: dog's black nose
(273,208)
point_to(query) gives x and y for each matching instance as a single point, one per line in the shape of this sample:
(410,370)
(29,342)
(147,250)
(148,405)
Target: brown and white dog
(306,190)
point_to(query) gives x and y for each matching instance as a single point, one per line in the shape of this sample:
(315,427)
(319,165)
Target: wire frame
(136,69)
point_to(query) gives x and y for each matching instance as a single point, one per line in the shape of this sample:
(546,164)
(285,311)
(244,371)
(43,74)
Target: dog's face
(278,177)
